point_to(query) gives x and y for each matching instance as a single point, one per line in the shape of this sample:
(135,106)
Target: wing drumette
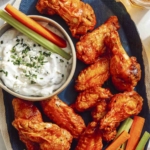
(121,106)
(78,15)
(125,71)
(91,45)
(63,115)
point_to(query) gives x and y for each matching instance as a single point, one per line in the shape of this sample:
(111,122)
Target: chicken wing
(109,135)
(125,71)
(90,138)
(91,45)
(63,115)
(121,106)
(99,111)
(36,134)
(79,16)
(94,75)
(90,97)
(47,135)
(26,110)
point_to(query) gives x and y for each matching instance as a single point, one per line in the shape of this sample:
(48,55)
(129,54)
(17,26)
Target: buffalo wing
(63,115)
(90,139)
(90,97)
(79,16)
(91,45)
(36,134)
(121,106)
(99,111)
(125,71)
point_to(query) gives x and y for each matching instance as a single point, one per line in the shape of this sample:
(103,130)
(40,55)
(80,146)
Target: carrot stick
(118,141)
(135,132)
(33,25)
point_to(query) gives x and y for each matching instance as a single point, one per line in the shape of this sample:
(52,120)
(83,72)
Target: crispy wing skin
(99,111)
(63,115)
(26,110)
(91,45)
(90,97)
(47,135)
(109,135)
(36,134)
(79,16)
(121,106)
(90,139)
(94,75)
(125,71)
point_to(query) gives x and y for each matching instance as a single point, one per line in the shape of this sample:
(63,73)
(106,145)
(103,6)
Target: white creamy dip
(29,69)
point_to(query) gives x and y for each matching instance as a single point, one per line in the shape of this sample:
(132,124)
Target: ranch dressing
(29,69)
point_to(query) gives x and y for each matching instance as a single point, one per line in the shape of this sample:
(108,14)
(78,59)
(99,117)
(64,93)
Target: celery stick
(126,124)
(33,35)
(143,141)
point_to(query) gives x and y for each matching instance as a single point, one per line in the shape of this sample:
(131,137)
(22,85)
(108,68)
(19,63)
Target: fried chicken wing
(47,135)
(94,75)
(90,138)
(91,45)
(125,71)
(79,16)
(63,115)
(26,110)
(99,111)
(109,135)
(36,134)
(90,97)
(121,106)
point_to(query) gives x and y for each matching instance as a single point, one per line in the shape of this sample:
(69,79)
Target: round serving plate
(131,42)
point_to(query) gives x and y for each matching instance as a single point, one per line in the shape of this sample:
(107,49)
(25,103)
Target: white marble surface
(140,16)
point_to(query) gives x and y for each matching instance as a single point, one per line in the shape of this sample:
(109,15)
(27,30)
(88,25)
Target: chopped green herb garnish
(17,61)
(17,40)
(12,56)
(47,54)
(33,82)
(5,72)
(24,45)
(13,50)
(61,60)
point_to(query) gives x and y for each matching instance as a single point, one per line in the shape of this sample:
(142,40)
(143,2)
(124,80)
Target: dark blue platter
(130,40)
